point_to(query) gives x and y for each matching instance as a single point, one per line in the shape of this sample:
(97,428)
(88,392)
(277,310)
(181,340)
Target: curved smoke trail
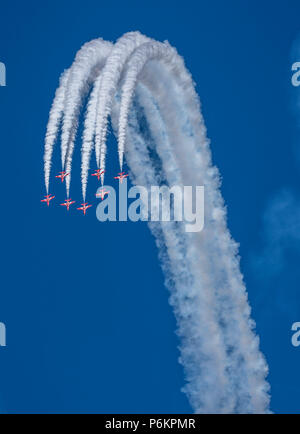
(139,81)
(113,69)
(55,116)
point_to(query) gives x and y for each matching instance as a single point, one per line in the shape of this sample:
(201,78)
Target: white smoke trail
(143,54)
(185,292)
(88,62)
(235,368)
(234,310)
(55,117)
(74,84)
(224,367)
(113,69)
(89,134)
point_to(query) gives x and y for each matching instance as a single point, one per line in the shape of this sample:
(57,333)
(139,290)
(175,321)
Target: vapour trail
(145,53)
(113,69)
(224,368)
(190,312)
(88,62)
(234,311)
(89,134)
(74,85)
(55,116)
(229,323)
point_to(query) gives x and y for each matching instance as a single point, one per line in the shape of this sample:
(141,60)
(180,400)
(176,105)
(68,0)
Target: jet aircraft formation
(84,206)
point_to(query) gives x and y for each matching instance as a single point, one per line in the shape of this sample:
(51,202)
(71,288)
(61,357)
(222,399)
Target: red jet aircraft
(68,203)
(98,173)
(84,207)
(47,199)
(102,193)
(62,176)
(121,176)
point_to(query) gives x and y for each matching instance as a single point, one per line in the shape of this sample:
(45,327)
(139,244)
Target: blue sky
(88,328)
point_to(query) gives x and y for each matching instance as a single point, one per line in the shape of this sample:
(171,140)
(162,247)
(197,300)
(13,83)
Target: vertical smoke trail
(224,367)
(88,62)
(55,116)
(66,105)
(218,394)
(89,134)
(122,50)
(143,54)
(254,398)
(234,309)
